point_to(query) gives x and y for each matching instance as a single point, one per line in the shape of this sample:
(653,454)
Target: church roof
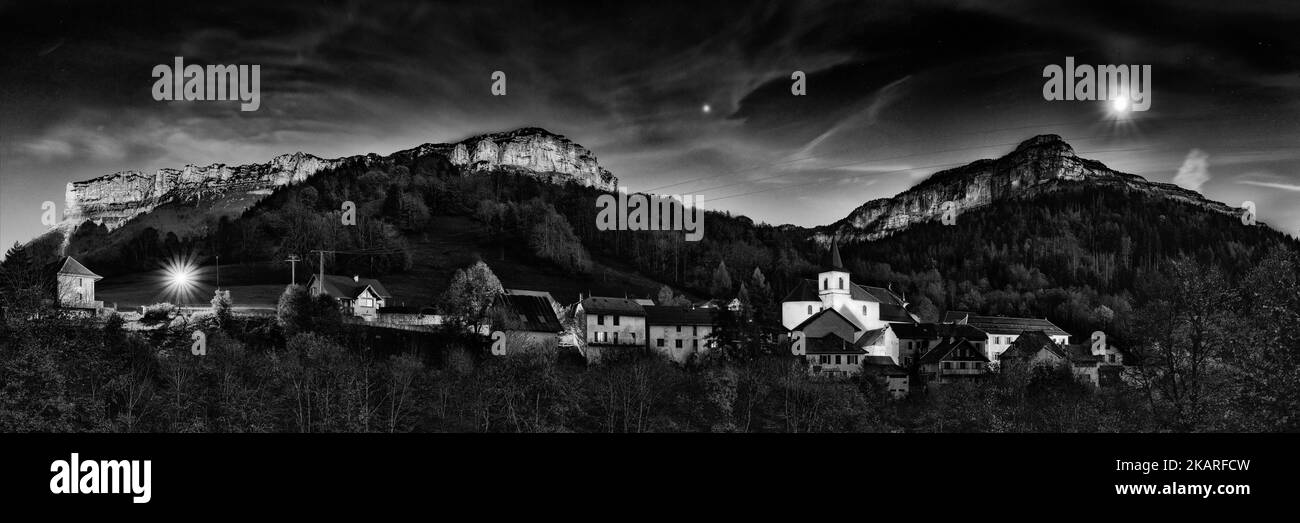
(806,290)
(835,262)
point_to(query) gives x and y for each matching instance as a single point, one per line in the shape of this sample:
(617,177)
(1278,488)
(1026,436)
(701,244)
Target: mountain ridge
(113,199)
(1039,164)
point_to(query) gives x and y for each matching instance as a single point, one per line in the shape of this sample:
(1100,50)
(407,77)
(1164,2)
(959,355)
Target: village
(837,327)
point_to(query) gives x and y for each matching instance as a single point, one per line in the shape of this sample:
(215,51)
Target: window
(615,319)
(600,319)
(837,359)
(826,284)
(679,328)
(677,343)
(823,359)
(695,330)
(366,302)
(695,344)
(907,361)
(633,338)
(853,360)
(864,310)
(947,365)
(841,283)
(659,342)
(615,338)
(810,309)
(961,365)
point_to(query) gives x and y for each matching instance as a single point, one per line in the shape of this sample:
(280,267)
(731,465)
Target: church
(846,325)
(866,308)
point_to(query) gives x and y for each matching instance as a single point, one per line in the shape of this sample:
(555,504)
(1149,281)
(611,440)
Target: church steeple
(836,263)
(833,280)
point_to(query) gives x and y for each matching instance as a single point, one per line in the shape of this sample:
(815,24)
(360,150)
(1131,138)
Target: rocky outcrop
(1042,163)
(116,198)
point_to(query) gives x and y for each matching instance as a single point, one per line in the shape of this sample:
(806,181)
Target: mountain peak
(1049,143)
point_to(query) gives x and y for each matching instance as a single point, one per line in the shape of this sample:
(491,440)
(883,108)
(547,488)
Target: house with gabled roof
(952,359)
(75,286)
(527,319)
(357,296)
(678,332)
(606,323)
(1003,330)
(1035,348)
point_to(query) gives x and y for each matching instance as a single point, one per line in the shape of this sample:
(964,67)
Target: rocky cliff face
(116,198)
(1042,163)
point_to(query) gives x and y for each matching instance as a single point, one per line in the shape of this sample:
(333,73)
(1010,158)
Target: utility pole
(320,282)
(293,268)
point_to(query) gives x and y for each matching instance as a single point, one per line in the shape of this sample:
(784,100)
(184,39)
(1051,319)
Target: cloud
(1271,185)
(1195,170)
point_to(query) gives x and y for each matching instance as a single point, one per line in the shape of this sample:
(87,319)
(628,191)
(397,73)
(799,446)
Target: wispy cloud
(1195,170)
(1272,185)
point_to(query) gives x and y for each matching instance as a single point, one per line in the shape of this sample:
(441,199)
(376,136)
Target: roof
(1080,353)
(940,352)
(882,365)
(534,310)
(870,337)
(74,268)
(620,306)
(806,290)
(831,344)
(1004,324)
(346,287)
(835,263)
(678,315)
(805,323)
(1030,343)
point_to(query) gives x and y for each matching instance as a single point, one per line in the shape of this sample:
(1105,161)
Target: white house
(609,323)
(678,332)
(1003,331)
(75,286)
(357,296)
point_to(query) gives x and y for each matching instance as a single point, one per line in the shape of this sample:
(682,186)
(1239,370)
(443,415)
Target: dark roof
(534,310)
(345,287)
(869,337)
(819,314)
(73,267)
(678,315)
(620,306)
(831,344)
(882,365)
(1081,353)
(914,331)
(1030,343)
(1003,324)
(940,352)
(835,263)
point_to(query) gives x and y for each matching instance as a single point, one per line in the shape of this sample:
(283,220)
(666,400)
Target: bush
(158,313)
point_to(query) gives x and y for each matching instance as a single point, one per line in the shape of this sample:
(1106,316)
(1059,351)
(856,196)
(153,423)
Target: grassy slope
(449,243)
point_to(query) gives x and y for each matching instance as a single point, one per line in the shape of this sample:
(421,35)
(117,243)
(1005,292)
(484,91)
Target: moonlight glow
(180,279)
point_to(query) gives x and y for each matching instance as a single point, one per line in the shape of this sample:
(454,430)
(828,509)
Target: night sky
(896,91)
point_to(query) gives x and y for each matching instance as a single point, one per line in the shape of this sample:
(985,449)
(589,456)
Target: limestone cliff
(1039,164)
(116,198)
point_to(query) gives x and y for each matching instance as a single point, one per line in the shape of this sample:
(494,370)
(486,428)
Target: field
(449,243)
